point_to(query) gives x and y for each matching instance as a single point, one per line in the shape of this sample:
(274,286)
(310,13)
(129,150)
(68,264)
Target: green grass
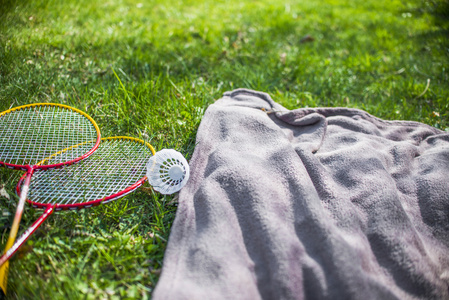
(149,69)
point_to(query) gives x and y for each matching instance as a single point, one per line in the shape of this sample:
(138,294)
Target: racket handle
(14,228)
(4,279)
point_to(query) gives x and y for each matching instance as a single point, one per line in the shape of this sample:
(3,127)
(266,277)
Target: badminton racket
(116,169)
(31,133)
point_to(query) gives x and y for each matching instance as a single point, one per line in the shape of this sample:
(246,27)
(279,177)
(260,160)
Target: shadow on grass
(439,12)
(253,55)
(5,7)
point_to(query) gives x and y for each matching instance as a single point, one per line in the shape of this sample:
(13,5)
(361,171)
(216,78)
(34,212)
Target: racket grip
(4,279)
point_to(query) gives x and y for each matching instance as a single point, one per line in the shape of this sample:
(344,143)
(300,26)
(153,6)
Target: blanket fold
(312,203)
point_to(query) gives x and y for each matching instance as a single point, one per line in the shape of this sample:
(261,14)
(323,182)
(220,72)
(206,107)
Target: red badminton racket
(117,168)
(29,134)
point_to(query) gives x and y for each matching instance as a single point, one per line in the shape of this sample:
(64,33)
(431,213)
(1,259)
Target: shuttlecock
(167,171)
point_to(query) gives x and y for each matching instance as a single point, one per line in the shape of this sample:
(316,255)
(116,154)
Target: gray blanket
(313,203)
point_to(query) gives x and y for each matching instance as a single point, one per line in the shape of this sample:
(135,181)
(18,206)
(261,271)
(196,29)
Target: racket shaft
(24,237)
(19,212)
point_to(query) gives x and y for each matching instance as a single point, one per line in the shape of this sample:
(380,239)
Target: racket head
(117,168)
(30,133)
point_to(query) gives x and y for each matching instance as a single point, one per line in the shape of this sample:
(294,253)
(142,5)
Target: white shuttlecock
(167,171)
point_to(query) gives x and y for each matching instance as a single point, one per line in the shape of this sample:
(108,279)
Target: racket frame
(95,202)
(40,166)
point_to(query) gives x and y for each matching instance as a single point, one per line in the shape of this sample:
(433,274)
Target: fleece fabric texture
(312,203)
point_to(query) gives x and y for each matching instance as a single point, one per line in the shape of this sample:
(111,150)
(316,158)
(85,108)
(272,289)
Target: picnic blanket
(311,203)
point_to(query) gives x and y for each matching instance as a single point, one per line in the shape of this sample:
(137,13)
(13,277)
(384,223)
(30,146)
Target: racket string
(5,149)
(32,134)
(115,166)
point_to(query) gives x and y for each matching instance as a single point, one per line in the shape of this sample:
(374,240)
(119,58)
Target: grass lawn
(171,60)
